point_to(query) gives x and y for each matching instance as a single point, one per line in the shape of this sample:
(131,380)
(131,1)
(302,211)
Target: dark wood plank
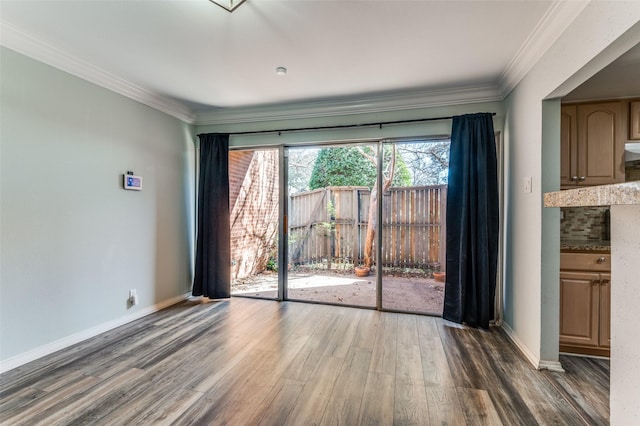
(478,408)
(92,404)
(19,401)
(585,384)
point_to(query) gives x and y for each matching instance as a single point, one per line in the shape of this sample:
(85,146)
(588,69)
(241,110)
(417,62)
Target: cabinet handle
(595,282)
(574,178)
(602,282)
(601,259)
(582,178)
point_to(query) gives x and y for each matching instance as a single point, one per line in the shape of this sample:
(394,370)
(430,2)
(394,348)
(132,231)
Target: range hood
(632,151)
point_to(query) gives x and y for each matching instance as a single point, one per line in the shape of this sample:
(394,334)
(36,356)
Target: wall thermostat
(132,182)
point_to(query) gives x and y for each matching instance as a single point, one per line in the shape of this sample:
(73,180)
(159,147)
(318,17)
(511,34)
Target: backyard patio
(404,293)
(331,232)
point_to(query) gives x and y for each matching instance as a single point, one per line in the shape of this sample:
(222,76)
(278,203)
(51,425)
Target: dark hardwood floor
(585,384)
(251,362)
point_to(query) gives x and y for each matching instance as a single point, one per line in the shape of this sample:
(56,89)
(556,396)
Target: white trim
(537,363)
(533,359)
(585,355)
(400,101)
(554,366)
(65,342)
(20,41)
(554,22)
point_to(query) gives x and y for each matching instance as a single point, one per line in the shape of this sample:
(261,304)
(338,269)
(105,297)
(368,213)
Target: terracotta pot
(362,271)
(439,276)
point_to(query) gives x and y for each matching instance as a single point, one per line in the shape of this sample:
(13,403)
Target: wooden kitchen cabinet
(634,120)
(579,308)
(568,144)
(585,305)
(604,340)
(592,144)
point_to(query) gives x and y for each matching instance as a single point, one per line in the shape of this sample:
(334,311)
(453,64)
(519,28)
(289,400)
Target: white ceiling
(192,55)
(620,79)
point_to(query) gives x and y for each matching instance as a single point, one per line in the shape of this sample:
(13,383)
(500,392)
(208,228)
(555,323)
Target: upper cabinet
(592,143)
(634,120)
(568,145)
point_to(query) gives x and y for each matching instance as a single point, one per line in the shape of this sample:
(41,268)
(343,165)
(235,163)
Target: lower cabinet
(585,305)
(605,311)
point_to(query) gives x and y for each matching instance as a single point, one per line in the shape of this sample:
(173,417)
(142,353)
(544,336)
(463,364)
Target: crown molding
(400,101)
(554,22)
(16,39)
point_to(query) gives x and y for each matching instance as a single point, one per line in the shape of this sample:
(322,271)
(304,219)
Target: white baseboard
(65,342)
(533,359)
(551,366)
(537,363)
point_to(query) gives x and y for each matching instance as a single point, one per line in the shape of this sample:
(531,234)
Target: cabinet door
(600,143)
(634,120)
(605,310)
(579,306)
(568,145)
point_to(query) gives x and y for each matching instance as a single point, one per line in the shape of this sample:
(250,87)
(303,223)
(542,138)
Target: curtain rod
(344,126)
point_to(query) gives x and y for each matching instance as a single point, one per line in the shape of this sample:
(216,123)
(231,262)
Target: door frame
(282,294)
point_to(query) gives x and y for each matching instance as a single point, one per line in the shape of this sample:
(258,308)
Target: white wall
(625,299)
(73,242)
(602,32)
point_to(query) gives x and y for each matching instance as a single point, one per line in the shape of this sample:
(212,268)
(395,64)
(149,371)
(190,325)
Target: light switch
(527,184)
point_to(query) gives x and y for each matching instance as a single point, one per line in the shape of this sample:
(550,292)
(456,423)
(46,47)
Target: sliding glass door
(331,203)
(340,244)
(413,225)
(254,206)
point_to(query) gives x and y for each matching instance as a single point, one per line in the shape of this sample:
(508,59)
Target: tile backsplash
(585,223)
(632,171)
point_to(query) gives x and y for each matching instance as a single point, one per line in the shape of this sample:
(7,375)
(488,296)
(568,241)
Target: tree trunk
(371,227)
(373,207)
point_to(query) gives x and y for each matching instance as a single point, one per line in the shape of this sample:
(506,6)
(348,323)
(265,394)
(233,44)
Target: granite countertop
(585,245)
(603,195)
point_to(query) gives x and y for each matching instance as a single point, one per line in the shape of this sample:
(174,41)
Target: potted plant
(362,271)
(439,276)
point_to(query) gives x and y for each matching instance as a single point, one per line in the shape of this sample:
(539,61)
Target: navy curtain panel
(213,248)
(472,222)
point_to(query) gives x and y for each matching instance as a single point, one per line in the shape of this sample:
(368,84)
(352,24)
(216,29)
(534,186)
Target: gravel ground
(403,293)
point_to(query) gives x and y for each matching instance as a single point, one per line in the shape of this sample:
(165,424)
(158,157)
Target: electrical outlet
(133,297)
(527,184)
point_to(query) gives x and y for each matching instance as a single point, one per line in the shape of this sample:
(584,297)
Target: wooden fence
(327,227)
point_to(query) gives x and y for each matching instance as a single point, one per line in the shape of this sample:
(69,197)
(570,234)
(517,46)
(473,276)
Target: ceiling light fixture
(228,5)
(281,70)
